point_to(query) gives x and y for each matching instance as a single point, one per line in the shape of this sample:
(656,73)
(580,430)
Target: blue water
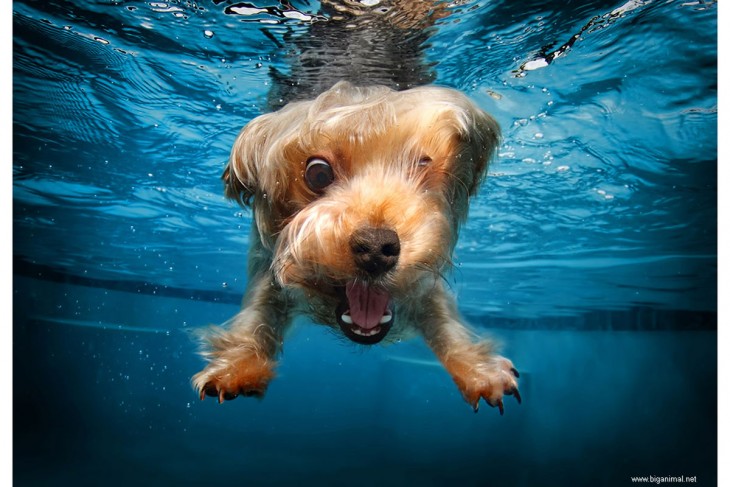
(590,253)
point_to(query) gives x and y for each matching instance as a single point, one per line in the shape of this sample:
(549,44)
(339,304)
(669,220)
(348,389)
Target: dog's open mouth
(365,314)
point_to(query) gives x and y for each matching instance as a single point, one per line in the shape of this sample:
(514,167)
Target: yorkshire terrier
(357,198)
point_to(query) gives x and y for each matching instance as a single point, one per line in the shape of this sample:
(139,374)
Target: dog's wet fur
(358,192)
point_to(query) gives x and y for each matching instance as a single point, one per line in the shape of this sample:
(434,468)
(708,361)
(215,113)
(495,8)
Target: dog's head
(359,193)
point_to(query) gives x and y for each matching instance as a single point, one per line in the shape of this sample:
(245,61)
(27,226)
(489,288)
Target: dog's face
(359,194)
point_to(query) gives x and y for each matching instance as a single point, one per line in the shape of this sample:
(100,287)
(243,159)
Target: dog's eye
(424,161)
(318,174)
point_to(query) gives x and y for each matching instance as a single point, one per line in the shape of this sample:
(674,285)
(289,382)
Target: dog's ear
(482,137)
(240,177)
(259,168)
(235,189)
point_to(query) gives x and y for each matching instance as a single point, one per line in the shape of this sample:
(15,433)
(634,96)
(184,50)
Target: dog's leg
(242,355)
(476,369)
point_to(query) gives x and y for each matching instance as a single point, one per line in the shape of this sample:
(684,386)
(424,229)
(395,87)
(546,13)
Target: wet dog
(357,197)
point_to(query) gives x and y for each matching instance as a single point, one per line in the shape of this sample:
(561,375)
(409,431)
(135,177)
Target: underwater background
(590,253)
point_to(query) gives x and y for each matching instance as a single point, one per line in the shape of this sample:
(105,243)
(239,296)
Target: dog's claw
(515,372)
(516,392)
(500,404)
(476,407)
(238,376)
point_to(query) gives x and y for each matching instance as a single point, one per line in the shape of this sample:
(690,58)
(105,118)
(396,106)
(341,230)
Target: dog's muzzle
(366,314)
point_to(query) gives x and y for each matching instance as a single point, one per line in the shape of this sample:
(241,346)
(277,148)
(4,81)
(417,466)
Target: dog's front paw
(228,377)
(490,381)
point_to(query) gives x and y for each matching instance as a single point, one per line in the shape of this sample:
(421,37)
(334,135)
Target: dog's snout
(375,250)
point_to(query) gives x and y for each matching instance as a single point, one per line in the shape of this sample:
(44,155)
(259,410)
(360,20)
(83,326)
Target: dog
(357,199)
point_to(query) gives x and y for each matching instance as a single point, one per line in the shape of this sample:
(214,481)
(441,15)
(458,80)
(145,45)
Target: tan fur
(404,161)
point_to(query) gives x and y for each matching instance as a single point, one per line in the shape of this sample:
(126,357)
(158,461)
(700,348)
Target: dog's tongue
(367,304)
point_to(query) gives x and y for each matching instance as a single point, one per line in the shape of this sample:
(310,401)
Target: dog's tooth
(386,317)
(346,318)
(365,333)
(357,330)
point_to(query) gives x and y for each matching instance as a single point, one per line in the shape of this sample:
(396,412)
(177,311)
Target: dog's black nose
(375,250)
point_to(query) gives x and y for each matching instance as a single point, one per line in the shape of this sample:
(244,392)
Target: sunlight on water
(99,325)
